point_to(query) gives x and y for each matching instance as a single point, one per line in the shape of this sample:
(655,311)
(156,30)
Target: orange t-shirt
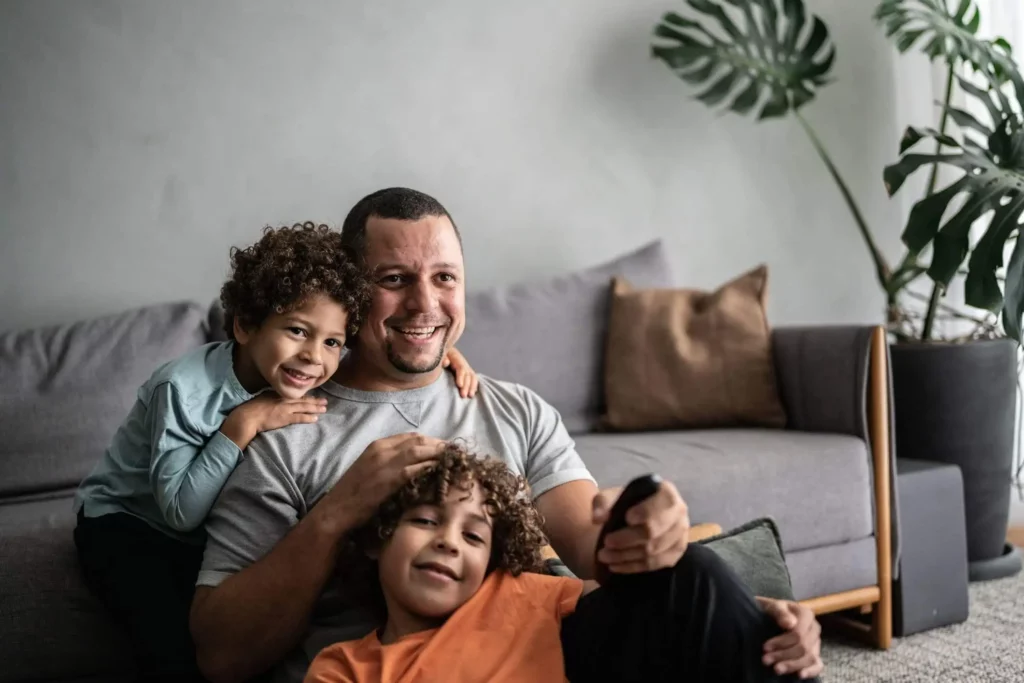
(509,631)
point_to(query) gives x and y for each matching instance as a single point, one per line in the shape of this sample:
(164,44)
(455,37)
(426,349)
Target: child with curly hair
(292,300)
(450,564)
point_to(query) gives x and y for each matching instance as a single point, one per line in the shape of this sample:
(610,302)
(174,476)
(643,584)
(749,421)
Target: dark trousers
(693,622)
(146,579)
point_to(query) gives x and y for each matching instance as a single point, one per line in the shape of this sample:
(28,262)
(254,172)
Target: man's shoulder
(511,391)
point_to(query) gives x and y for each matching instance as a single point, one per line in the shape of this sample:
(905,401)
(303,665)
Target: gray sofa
(64,390)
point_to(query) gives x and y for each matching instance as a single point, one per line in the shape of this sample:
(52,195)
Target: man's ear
(241,334)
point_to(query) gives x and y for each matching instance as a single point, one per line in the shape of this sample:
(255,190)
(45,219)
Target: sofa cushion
(754,552)
(817,487)
(686,358)
(53,628)
(550,335)
(64,390)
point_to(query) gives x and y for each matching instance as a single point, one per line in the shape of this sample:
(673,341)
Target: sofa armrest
(823,377)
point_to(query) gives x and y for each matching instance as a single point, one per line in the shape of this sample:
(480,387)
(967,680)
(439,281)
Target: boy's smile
(435,561)
(292,352)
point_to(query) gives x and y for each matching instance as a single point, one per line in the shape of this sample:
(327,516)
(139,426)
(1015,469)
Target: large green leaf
(946,31)
(764,55)
(992,183)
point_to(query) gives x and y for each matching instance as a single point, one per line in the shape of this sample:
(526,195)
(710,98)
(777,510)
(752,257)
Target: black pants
(693,622)
(146,579)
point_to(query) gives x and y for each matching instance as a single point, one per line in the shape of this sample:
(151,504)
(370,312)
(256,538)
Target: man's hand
(798,650)
(269,411)
(384,467)
(657,534)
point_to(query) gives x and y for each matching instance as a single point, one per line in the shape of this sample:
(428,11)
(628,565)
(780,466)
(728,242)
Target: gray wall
(140,140)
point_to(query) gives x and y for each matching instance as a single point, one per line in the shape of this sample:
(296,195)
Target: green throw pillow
(753,551)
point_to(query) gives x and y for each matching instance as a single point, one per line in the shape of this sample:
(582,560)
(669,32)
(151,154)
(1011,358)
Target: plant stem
(882,270)
(933,302)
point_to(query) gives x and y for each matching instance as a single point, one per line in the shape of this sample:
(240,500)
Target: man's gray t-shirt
(286,471)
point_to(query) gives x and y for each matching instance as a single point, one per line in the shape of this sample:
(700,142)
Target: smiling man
(267,600)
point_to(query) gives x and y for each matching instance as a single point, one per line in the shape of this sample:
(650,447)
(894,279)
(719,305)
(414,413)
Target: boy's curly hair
(287,266)
(516,538)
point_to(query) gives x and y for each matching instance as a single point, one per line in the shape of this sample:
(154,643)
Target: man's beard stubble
(402,366)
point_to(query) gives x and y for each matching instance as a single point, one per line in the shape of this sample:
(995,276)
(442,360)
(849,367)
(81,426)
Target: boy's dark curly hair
(285,268)
(516,538)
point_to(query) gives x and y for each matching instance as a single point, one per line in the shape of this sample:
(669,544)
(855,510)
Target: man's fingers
(647,530)
(814,669)
(781,613)
(410,471)
(421,453)
(602,504)
(667,498)
(793,660)
(783,642)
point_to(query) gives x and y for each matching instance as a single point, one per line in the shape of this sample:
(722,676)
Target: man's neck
(365,376)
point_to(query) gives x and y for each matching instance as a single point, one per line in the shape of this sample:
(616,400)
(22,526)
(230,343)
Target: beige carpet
(987,648)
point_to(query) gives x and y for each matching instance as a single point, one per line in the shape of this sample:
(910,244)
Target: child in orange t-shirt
(450,563)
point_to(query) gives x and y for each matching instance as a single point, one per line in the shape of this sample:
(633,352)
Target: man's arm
(263,570)
(248,623)
(568,523)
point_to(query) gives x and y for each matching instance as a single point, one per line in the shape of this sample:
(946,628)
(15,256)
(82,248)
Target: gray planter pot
(956,403)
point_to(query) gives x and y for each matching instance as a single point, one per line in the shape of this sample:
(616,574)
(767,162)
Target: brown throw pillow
(684,358)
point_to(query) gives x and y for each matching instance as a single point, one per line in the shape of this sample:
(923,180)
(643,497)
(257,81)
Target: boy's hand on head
(269,411)
(384,467)
(656,535)
(465,377)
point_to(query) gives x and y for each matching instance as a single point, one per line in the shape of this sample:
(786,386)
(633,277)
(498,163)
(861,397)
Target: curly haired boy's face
(436,559)
(293,352)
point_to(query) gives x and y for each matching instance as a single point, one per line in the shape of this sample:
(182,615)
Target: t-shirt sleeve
(333,665)
(556,595)
(187,468)
(552,459)
(258,506)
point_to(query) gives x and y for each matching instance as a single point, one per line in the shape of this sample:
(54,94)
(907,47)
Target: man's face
(437,557)
(419,296)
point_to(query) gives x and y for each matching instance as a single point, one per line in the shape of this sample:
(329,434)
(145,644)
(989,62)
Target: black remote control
(638,490)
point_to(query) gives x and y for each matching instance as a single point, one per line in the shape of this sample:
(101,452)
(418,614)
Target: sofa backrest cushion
(64,390)
(549,335)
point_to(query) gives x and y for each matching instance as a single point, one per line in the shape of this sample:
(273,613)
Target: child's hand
(465,377)
(267,412)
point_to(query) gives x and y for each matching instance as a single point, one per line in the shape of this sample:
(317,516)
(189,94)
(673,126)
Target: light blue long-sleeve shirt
(168,460)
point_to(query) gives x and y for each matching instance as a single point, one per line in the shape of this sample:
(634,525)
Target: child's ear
(241,334)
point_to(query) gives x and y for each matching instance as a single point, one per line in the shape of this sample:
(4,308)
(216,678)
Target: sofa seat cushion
(817,487)
(53,628)
(64,390)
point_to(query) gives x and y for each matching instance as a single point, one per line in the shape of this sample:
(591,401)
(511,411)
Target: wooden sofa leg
(878,421)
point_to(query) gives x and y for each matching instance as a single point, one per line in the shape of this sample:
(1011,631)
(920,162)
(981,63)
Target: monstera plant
(991,158)
(768,58)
